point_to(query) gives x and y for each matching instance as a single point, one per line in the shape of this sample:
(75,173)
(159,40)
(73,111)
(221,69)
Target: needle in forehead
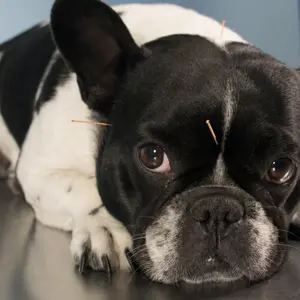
(212,131)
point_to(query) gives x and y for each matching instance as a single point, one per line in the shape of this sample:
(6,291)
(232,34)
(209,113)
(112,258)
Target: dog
(197,157)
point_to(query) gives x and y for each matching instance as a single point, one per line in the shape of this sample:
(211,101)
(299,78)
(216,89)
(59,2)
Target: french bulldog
(191,175)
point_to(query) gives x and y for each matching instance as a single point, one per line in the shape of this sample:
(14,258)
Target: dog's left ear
(96,45)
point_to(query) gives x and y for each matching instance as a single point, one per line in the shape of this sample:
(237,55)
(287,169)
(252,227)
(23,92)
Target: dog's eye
(155,159)
(281,170)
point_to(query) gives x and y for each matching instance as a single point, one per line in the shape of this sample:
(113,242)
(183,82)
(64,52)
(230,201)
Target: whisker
(289,246)
(289,232)
(138,238)
(146,265)
(140,234)
(138,250)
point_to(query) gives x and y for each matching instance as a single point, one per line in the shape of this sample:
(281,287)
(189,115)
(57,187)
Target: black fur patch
(21,68)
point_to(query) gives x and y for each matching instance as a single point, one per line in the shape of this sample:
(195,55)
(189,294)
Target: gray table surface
(35,264)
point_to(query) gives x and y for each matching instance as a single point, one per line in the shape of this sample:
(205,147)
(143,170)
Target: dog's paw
(100,242)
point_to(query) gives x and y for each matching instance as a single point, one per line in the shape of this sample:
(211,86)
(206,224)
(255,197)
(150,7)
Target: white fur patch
(228,112)
(161,239)
(228,108)
(150,21)
(219,170)
(58,154)
(264,241)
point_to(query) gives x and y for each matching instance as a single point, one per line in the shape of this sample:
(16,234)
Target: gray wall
(272,25)
(16,15)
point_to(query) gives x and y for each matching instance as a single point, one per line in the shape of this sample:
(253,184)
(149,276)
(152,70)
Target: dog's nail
(106,265)
(82,262)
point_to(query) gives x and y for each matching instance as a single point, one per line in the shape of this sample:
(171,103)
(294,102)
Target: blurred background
(272,25)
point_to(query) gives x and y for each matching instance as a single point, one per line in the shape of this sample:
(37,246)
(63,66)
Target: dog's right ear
(96,45)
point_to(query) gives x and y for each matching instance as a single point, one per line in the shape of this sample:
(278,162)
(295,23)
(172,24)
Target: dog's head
(199,209)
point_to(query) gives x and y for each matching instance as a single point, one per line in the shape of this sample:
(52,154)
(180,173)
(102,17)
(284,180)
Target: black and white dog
(189,208)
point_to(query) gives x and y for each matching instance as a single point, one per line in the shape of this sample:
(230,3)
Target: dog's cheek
(162,238)
(263,246)
(251,251)
(116,186)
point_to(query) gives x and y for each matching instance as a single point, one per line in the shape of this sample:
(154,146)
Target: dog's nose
(217,212)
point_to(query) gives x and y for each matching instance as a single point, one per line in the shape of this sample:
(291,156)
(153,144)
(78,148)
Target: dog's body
(54,159)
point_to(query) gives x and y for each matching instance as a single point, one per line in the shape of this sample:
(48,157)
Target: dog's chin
(213,272)
(214,283)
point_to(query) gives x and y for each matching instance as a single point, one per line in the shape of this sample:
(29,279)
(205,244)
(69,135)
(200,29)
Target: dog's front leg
(69,200)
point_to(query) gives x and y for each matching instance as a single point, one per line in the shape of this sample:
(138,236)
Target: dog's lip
(212,277)
(213,269)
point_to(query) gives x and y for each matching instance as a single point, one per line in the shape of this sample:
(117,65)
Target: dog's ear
(96,45)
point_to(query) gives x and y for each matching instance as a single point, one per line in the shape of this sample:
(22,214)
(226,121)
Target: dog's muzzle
(208,234)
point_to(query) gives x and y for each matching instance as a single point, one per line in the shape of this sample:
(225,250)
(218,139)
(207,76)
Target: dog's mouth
(214,269)
(212,266)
